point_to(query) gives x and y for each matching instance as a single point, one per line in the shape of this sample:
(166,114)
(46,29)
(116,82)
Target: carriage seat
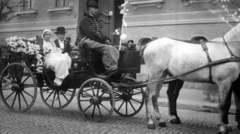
(92,58)
(88,55)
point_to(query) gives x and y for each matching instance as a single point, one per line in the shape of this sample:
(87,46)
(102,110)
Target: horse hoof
(162,124)
(175,121)
(151,126)
(222,132)
(229,129)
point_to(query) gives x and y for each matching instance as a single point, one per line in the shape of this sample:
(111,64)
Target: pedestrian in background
(131,45)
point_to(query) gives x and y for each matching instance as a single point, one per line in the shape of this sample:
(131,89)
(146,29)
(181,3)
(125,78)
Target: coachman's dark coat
(89,28)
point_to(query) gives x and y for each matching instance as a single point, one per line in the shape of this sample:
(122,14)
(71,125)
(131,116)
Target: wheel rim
(128,101)
(56,98)
(18,87)
(93,100)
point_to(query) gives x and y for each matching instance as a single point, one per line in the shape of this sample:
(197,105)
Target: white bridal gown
(57,61)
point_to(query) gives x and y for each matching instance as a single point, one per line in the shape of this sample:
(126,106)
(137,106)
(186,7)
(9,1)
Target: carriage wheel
(56,98)
(128,101)
(18,87)
(93,100)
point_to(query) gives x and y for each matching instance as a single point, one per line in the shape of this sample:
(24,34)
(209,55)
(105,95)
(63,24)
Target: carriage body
(20,81)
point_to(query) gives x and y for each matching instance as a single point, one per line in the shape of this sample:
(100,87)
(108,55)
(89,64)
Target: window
(27,4)
(26,8)
(59,6)
(61,3)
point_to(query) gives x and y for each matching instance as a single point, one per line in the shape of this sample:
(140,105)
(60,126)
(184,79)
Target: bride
(54,58)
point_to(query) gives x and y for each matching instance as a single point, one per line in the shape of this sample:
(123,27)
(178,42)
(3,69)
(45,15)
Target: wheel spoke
(10,95)
(28,85)
(87,94)
(7,89)
(14,100)
(126,107)
(26,78)
(106,98)
(116,93)
(102,94)
(135,100)
(105,107)
(98,89)
(137,93)
(27,93)
(99,111)
(84,100)
(117,100)
(54,98)
(19,101)
(120,106)
(24,99)
(92,89)
(87,108)
(59,101)
(49,95)
(93,111)
(70,90)
(64,96)
(132,106)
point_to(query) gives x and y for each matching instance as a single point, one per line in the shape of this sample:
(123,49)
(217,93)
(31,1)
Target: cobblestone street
(42,120)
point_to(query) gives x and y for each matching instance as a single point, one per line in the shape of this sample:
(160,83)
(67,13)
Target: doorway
(109,17)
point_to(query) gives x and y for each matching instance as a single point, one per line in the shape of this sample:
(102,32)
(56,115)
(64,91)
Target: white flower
(123,36)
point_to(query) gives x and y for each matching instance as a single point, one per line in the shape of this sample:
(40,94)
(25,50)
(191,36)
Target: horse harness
(205,48)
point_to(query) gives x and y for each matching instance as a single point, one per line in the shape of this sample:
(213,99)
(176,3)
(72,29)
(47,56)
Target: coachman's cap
(92,3)
(60,30)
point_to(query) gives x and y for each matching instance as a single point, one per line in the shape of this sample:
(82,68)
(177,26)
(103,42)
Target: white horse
(168,56)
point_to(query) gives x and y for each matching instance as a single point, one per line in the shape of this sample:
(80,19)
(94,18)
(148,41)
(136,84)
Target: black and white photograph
(119,66)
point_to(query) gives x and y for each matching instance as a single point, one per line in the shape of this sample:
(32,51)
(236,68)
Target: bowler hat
(60,30)
(92,3)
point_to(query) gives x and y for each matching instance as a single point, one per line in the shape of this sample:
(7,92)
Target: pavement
(42,120)
(194,99)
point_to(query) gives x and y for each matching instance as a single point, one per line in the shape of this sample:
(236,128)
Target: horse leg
(173,93)
(236,91)
(151,100)
(224,92)
(227,108)
(148,103)
(155,105)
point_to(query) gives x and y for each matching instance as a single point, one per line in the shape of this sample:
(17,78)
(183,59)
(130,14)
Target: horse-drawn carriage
(98,93)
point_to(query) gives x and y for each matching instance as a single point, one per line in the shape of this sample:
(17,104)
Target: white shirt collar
(61,44)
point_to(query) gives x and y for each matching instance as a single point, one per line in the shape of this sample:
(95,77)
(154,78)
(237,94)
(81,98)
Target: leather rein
(205,48)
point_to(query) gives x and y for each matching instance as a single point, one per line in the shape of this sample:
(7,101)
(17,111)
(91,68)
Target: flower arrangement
(23,46)
(26,49)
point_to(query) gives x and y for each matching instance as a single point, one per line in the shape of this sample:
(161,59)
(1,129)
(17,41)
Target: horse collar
(232,55)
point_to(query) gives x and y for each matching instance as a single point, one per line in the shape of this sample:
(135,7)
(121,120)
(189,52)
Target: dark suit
(67,46)
(91,37)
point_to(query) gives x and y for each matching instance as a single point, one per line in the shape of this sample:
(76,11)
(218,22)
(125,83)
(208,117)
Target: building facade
(33,16)
(180,19)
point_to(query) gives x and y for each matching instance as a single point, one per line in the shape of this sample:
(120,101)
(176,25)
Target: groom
(60,42)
